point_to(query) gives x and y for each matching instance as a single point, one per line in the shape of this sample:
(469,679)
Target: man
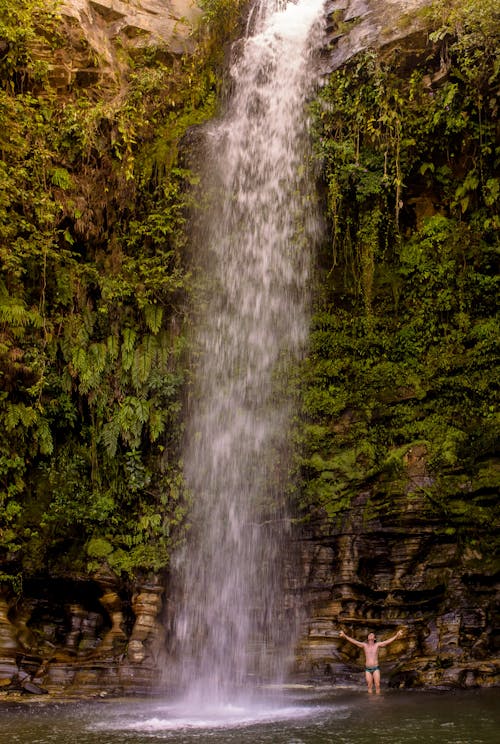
(371,647)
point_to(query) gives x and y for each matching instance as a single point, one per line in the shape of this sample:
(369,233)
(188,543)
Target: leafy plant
(93,297)
(402,349)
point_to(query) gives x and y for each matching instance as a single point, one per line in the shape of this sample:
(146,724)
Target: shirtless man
(371,647)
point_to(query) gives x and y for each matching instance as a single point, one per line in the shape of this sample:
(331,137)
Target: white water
(231,627)
(182,717)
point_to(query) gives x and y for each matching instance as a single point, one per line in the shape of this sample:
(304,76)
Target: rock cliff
(356,25)
(381,564)
(413,547)
(81,635)
(99,32)
(390,565)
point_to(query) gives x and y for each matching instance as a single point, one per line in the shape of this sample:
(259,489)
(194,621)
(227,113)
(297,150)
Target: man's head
(371,638)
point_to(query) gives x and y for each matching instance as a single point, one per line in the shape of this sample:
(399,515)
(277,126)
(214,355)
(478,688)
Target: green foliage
(98,547)
(24,24)
(404,345)
(93,290)
(223,18)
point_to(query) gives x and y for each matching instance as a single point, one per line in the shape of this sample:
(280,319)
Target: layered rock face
(356,25)
(391,565)
(99,30)
(92,636)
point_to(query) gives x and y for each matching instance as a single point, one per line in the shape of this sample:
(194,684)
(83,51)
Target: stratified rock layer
(390,566)
(79,635)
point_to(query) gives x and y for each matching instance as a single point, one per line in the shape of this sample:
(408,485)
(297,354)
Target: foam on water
(180,718)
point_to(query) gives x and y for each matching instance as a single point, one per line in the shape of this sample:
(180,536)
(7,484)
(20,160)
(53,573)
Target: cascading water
(230,625)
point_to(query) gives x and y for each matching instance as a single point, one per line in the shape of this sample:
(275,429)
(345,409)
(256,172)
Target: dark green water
(308,717)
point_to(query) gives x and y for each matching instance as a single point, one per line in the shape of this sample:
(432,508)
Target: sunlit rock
(167,23)
(99,32)
(357,25)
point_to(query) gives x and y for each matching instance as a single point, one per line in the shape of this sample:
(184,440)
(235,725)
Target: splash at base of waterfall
(181,717)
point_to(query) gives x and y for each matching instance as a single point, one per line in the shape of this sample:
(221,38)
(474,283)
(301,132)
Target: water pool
(305,717)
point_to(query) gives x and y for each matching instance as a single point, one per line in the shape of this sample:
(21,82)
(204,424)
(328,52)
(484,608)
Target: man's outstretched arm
(391,639)
(351,640)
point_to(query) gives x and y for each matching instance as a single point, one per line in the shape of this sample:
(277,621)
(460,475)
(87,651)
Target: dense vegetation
(404,342)
(93,290)
(94,287)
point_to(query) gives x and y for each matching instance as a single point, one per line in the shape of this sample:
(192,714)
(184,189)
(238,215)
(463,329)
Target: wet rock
(147,633)
(8,636)
(356,25)
(83,635)
(116,638)
(33,689)
(449,629)
(77,615)
(25,636)
(8,641)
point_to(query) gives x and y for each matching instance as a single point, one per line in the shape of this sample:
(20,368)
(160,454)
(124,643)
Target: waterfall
(230,626)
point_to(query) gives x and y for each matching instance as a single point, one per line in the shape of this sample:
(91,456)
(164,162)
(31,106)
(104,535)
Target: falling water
(257,242)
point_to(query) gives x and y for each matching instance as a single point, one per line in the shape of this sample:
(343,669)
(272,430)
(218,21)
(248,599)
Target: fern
(45,441)
(131,417)
(13,312)
(79,360)
(61,178)
(112,347)
(129,336)
(153,315)
(143,361)
(156,423)
(109,437)
(18,413)
(141,366)
(98,356)
(142,408)
(164,350)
